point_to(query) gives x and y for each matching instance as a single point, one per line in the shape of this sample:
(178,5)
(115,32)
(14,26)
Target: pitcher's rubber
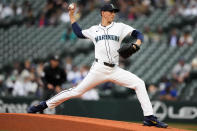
(43,122)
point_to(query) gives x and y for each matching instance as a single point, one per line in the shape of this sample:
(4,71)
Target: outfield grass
(192,127)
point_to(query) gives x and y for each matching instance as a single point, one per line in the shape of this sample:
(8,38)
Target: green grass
(192,127)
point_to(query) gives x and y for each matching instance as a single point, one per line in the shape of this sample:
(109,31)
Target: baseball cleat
(153,121)
(37,108)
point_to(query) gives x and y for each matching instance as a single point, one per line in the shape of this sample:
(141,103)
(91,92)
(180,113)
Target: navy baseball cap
(109,7)
(55,58)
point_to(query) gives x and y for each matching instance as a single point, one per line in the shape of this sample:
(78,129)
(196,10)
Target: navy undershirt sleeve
(77,31)
(138,35)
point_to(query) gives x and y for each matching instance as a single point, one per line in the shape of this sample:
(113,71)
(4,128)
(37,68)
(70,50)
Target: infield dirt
(43,122)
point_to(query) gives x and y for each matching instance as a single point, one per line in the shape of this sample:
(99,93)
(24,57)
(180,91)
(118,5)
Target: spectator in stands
(14,8)
(173,38)
(188,8)
(54,76)
(64,17)
(2,90)
(39,69)
(159,36)
(53,20)
(26,71)
(71,73)
(12,77)
(53,10)
(169,93)
(32,83)
(168,89)
(123,14)
(7,11)
(67,64)
(131,14)
(17,69)
(181,71)
(48,10)
(68,35)
(146,4)
(39,74)
(148,34)
(193,74)
(152,90)
(25,82)
(159,3)
(84,70)
(174,10)
(162,83)
(58,4)
(25,7)
(90,5)
(19,10)
(30,19)
(19,88)
(74,75)
(186,38)
(194,8)
(42,20)
(25,86)
(10,82)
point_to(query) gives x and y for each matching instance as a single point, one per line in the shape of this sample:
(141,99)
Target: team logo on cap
(112,5)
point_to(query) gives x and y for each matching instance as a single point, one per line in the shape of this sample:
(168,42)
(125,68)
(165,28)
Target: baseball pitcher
(107,37)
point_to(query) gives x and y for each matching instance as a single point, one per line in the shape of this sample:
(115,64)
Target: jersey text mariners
(107,40)
(107,37)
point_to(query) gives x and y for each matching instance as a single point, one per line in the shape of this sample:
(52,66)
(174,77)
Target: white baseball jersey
(107,40)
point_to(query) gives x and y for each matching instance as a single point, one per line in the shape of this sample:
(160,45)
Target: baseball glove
(128,49)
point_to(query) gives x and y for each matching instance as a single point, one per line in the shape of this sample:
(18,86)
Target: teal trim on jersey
(107,37)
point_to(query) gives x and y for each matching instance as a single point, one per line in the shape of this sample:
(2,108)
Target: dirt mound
(43,122)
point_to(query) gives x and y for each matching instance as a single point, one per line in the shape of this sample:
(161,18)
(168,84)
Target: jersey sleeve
(88,33)
(126,30)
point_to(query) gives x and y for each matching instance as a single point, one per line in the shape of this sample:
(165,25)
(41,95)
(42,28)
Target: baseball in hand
(71,6)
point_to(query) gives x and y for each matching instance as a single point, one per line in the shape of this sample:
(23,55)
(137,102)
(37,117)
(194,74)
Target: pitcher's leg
(143,97)
(97,74)
(130,80)
(87,83)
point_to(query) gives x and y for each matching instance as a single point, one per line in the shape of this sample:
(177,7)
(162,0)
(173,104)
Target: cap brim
(115,10)
(55,59)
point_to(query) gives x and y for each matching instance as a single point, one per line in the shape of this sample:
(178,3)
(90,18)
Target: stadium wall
(123,110)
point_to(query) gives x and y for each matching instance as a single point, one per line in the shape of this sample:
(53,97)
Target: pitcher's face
(108,15)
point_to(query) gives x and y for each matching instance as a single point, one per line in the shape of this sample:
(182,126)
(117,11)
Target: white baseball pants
(99,73)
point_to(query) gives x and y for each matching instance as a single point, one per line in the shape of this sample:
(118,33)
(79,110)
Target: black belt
(105,63)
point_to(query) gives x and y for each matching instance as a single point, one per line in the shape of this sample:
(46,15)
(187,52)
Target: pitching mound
(38,122)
